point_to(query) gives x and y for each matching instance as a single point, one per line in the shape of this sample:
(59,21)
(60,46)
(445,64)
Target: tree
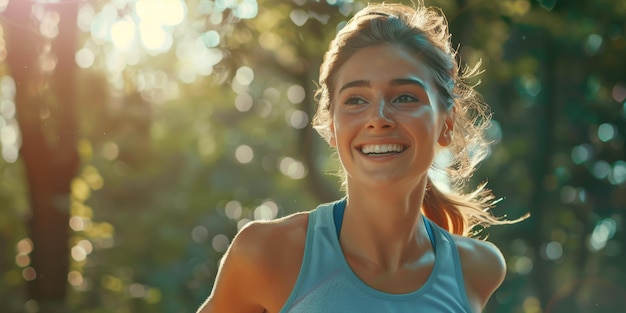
(43,69)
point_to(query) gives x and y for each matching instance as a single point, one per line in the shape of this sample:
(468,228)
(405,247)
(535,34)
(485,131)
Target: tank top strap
(338,210)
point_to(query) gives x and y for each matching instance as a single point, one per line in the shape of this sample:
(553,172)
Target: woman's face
(386,120)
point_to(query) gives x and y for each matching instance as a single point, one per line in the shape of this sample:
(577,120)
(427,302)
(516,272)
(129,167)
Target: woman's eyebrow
(394,82)
(356,83)
(408,81)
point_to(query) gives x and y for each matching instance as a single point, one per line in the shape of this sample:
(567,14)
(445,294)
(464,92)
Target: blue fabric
(339,208)
(326,283)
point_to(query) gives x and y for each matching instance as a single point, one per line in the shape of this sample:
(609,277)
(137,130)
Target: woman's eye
(406,98)
(354,100)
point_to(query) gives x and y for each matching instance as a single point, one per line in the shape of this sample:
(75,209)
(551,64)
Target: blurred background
(138,136)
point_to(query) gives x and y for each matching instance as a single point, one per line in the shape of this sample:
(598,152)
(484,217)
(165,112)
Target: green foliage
(179,150)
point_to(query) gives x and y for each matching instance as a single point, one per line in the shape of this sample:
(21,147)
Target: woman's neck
(384,225)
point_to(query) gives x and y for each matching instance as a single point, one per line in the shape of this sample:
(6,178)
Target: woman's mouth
(383,149)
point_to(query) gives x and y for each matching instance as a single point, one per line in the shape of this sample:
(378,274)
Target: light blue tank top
(327,284)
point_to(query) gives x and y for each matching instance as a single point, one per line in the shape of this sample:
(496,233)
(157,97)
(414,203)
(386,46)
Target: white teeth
(367,149)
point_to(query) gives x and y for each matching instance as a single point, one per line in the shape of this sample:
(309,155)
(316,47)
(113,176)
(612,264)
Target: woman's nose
(380,116)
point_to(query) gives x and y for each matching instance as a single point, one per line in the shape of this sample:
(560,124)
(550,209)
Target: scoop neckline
(373,291)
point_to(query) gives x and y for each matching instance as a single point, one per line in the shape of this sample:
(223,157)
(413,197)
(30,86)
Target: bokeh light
(75,278)
(292,168)
(244,154)
(296,94)
(266,211)
(243,102)
(297,119)
(220,242)
(84,58)
(244,75)
(582,153)
(233,209)
(199,234)
(604,230)
(606,132)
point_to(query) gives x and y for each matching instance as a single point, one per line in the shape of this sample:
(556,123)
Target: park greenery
(138,136)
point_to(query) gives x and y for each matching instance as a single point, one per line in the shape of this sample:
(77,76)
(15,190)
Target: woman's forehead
(383,63)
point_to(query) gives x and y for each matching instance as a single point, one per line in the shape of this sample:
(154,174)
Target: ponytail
(460,214)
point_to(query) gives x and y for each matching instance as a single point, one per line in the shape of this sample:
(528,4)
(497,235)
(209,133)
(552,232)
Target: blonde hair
(424,31)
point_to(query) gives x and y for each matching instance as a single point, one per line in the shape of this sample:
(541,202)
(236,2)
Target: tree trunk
(50,157)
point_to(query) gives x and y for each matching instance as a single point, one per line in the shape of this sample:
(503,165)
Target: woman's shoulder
(261,266)
(484,267)
(270,241)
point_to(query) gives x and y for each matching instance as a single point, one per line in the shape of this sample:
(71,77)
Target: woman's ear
(445,137)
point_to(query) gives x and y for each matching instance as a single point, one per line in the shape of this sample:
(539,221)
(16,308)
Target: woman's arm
(484,269)
(260,267)
(236,287)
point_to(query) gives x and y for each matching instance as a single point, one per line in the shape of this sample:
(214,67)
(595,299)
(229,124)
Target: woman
(390,98)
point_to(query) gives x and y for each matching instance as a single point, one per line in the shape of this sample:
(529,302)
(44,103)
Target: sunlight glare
(164,12)
(196,59)
(175,12)
(153,37)
(123,34)
(156,19)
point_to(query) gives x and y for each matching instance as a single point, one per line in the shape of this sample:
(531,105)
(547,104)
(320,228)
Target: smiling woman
(390,98)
